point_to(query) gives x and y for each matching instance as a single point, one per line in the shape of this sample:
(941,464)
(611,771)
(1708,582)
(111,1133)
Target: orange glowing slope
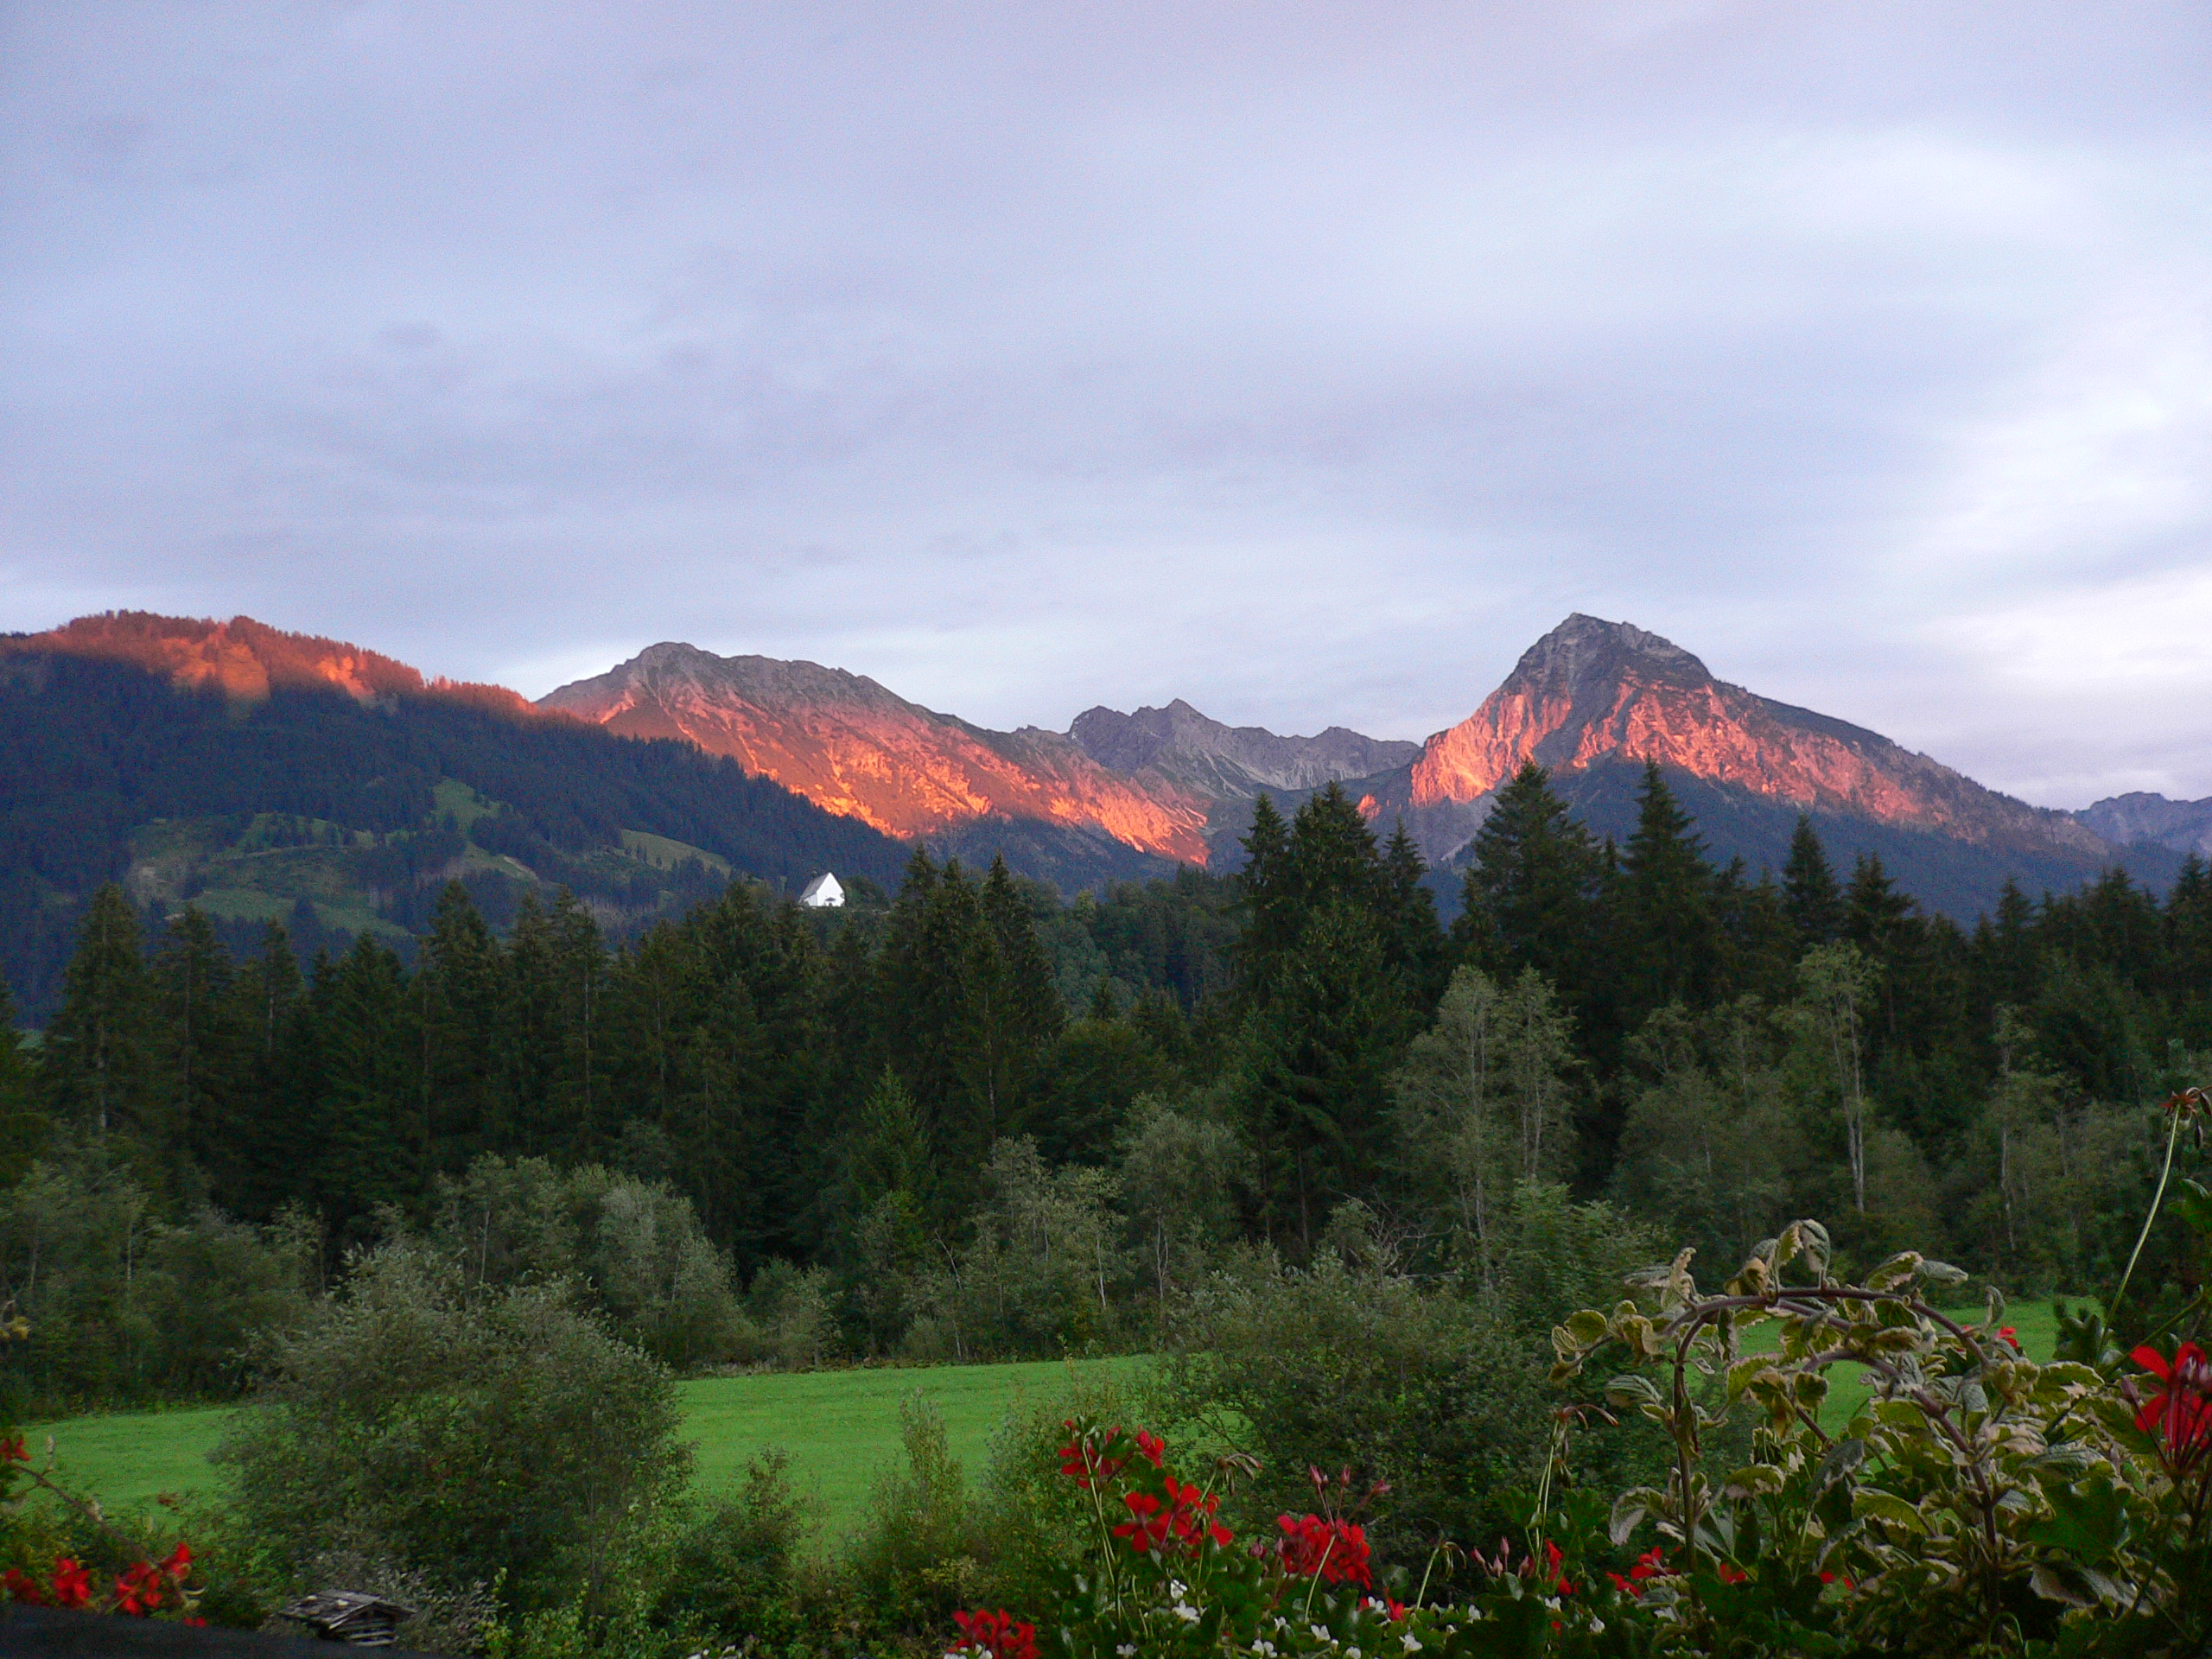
(245,659)
(850,746)
(1592,691)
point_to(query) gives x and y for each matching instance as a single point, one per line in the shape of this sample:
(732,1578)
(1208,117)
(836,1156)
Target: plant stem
(2173,1135)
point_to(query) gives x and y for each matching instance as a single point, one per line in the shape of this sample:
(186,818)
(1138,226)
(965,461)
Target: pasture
(839,1428)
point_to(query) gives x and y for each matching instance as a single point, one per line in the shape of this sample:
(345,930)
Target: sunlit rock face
(1592,690)
(245,660)
(852,747)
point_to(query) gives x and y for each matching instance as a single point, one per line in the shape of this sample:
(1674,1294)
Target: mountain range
(814,766)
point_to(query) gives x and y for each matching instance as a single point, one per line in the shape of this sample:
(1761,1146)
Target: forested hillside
(334,812)
(986,1121)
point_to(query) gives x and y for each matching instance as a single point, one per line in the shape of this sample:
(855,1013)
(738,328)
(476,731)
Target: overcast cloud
(1306,362)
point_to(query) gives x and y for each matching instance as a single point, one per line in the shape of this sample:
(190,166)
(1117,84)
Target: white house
(822,893)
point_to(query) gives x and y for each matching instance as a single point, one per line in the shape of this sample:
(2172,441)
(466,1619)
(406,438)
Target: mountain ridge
(1592,689)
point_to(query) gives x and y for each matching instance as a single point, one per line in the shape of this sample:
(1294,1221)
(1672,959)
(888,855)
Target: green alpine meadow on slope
(840,1427)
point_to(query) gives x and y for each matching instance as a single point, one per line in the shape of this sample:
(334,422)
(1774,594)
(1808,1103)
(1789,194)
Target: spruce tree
(1266,901)
(1810,895)
(1670,932)
(1529,897)
(97,1065)
(22,1127)
(1417,944)
(203,1062)
(462,993)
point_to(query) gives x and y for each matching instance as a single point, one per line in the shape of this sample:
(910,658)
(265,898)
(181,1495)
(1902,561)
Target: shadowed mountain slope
(1182,746)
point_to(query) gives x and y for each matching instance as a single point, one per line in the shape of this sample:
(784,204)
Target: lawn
(839,1427)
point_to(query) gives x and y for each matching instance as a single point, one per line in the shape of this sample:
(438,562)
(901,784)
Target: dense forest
(335,814)
(970,1119)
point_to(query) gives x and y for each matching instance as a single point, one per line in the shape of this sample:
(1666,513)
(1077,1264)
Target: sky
(1306,362)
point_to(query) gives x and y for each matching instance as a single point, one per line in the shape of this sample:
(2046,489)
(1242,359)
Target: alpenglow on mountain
(840,772)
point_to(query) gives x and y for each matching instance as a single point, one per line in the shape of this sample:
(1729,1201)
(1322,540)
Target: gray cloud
(1300,363)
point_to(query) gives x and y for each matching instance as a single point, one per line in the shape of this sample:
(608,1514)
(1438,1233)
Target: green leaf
(2089,1521)
(1629,1511)
(1943,1273)
(1632,1390)
(1584,1330)
(1895,1271)
(1872,1502)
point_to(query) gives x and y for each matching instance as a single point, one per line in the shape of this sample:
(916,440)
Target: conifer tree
(462,994)
(368,1146)
(1531,888)
(1667,902)
(22,1127)
(1265,900)
(1416,943)
(252,1160)
(200,1061)
(97,1064)
(1811,896)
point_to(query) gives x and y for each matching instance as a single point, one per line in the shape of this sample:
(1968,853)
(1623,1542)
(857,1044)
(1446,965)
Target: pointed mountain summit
(1592,701)
(852,747)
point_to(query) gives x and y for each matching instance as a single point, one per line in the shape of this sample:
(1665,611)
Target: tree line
(974,1119)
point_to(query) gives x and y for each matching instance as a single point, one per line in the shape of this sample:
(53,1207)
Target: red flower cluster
(1186,1519)
(2181,1411)
(70,1585)
(1650,1565)
(13,1452)
(1561,1582)
(139,1590)
(1084,1463)
(1335,1550)
(995,1635)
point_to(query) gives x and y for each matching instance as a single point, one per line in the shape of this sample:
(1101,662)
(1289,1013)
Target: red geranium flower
(2181,1412)
(996,1635)
(22,1588)
(1336,1550)
(1650,1565)
(12,1451)
(72,1585)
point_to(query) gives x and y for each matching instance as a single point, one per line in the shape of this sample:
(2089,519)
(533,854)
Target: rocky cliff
(849,745)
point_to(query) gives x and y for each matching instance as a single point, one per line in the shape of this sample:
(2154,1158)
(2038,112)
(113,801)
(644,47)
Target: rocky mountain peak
(1585,652)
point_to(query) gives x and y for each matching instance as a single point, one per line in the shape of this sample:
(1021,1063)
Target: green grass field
(839,1427)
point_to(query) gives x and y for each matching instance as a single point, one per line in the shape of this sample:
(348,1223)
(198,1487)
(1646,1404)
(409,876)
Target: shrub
(728,1573)
(456,1432)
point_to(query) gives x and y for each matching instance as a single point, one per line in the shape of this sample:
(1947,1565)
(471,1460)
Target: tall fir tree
(1530,894)
(1669,934)
(98,1064)
(1810,893)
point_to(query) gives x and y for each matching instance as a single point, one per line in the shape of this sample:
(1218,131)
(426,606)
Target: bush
(912,1558)
(636,1247)
(1352,1364)
(457,1432)
(729,1573)
(124,1306)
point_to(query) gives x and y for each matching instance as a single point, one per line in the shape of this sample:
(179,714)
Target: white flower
(1127,1650)
(1412,1642)
(1321,1632)
(1177,1589)
(1187,1613)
